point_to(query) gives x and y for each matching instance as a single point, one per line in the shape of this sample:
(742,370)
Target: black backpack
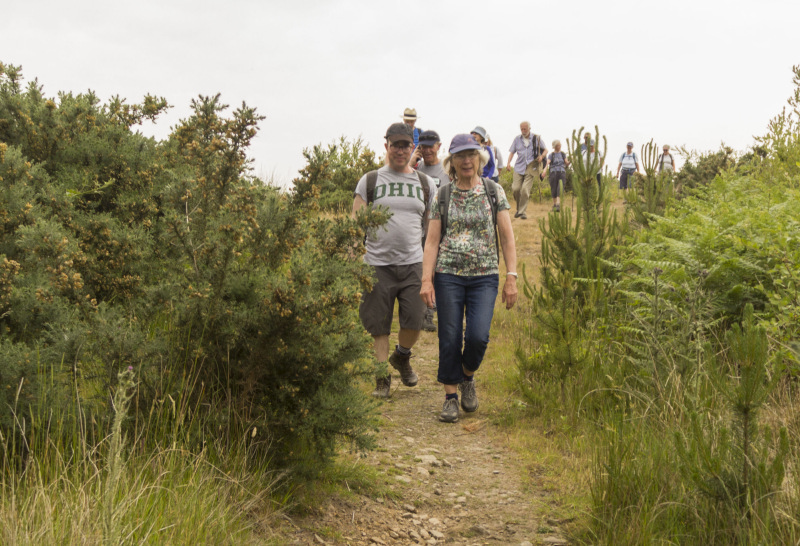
(489,186)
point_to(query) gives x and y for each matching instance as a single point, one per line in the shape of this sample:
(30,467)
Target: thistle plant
(115,459)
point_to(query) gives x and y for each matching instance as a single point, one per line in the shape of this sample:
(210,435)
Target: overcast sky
(691,73)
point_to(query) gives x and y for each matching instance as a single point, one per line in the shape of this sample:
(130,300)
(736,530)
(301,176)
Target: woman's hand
(427,294)
(509,291)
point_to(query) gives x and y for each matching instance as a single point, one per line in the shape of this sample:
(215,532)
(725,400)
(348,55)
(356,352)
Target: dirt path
(449,483)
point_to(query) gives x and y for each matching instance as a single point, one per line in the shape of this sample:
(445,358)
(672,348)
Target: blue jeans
(456,295)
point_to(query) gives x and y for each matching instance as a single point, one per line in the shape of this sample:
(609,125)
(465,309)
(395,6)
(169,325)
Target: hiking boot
(558,208)
(523,216)
(469,398)
(428,324)
(400,362)
(382,387)
(517,214)
(449,411)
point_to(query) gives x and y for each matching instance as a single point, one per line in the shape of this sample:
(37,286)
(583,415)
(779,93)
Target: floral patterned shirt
(469,247)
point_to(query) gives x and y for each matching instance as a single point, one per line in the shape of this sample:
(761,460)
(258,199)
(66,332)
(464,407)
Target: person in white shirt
(628,164)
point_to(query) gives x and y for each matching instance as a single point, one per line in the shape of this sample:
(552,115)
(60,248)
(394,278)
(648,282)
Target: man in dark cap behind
(430,164)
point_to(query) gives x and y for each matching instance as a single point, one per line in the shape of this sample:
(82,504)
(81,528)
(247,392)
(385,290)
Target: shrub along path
(442,483)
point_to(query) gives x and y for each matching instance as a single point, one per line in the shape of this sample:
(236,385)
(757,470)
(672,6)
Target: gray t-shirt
(435,171)
(399,242)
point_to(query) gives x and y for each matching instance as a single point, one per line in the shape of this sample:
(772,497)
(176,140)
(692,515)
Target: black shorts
(400,283)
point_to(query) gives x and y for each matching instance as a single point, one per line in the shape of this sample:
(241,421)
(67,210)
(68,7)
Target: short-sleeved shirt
(666,163)
(399,242)
(436,172)
(595,157)
(629,161)
(469,247)
(526,154)
(558,162)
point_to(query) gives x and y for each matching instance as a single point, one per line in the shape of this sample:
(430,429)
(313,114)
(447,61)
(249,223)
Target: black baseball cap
(429,138)
(399,131)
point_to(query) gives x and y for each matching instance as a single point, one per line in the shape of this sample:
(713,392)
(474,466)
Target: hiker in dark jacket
(460,269)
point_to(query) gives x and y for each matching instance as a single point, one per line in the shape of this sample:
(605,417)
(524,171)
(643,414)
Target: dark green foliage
(738,470)
(331,174)
(170,257)
(700,169)
(576,270)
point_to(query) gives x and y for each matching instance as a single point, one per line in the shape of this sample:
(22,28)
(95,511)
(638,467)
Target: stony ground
(456,483)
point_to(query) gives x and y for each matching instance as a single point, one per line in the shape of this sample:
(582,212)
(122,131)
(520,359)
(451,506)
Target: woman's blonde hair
(450,169)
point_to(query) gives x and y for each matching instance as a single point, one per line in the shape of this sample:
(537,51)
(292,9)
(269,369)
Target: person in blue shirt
(410,119)
(479,134)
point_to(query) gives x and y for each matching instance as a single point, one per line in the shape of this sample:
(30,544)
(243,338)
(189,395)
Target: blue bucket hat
(463,142)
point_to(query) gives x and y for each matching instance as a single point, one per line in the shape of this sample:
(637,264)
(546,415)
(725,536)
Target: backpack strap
(444,205)
(372,180)
(426,183)
(490,187)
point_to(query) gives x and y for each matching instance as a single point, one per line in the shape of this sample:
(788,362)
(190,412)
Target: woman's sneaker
(469,398)
(449,411)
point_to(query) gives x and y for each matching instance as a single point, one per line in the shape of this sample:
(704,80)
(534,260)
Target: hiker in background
(666,163)
(427,153)
(461,269)
(498,159)
(587,136)
(557,163)
(530,152)
(395,252)
(589,155)
(479,134)
(628,164)
(426,157)
(410,119)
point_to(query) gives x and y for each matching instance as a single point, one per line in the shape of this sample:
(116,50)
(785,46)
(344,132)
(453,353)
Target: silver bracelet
(512,273)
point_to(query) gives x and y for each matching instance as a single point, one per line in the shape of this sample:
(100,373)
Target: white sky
(692,73)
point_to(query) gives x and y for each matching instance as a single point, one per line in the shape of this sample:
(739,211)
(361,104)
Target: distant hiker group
(458,210)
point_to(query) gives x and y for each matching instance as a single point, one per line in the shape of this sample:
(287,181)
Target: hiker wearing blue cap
(479,134)
(460,269)
(628,164)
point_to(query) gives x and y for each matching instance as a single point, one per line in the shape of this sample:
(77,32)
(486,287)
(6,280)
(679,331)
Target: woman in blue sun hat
(460,269)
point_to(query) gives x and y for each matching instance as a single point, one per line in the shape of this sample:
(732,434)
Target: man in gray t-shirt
(395,251)
(428,152)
